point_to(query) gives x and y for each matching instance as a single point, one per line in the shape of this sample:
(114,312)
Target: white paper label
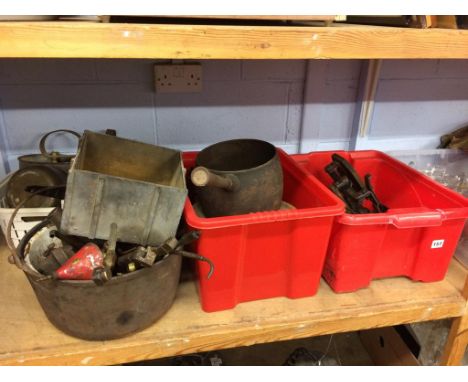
(437,244)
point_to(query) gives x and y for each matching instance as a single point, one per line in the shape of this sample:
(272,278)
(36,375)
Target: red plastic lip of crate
(335,205)
(404,217)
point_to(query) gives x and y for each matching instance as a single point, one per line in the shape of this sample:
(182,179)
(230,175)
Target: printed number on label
(437,244)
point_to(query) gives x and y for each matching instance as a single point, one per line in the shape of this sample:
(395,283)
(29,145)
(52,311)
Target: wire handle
(56,156)
(14,257)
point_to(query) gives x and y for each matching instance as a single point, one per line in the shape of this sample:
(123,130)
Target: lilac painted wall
(297,105)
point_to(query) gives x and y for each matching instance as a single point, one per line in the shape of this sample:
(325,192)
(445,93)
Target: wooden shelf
(112,40)
(27,337)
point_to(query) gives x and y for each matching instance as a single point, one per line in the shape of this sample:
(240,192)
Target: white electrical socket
(185,78)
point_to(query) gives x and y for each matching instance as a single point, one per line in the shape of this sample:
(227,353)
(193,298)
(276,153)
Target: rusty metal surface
(52,158)
(256,166)
(349,187)
(140,187)
(41,160)
(43,175)
(124,305)
(46,252)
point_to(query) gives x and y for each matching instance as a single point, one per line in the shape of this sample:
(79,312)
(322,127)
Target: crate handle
(422,219)
(398,217)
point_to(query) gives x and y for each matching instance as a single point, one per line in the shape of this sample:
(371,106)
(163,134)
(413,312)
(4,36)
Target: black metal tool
(196,256)
(75,242)
(347,185)
(142,257)
(56,192)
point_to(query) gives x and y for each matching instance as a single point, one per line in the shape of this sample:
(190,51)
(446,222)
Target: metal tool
(47,253)
(75,242)
(90,263)
(86,264)
(109,248)
(188,238)
(238,177)
(57,193)
(347,184)
(141,257)
(144,257)
(17,254)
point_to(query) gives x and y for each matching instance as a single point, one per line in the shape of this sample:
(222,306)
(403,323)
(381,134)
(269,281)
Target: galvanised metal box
(138,186)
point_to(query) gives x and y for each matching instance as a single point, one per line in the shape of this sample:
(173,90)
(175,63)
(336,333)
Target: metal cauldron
(238,177)
(124,305)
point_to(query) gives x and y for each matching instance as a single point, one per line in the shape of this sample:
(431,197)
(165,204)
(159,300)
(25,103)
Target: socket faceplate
(185,78)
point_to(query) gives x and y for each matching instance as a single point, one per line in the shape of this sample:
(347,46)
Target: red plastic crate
(266,254)
(416,237)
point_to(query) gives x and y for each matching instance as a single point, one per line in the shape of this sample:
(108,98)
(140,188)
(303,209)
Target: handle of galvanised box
(54,155)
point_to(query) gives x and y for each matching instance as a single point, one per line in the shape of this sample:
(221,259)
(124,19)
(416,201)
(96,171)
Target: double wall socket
(184,78)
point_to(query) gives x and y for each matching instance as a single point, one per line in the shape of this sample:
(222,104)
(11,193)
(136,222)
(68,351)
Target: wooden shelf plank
(27,337)
(112,40)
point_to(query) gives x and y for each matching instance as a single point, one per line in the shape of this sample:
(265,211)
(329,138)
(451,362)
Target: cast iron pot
(124,305)
(238,177)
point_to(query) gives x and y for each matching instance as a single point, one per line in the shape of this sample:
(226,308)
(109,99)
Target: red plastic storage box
(266,254)
(416,237)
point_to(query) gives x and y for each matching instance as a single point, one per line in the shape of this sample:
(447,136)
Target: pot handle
(198,257)
(55,156)
(202,177)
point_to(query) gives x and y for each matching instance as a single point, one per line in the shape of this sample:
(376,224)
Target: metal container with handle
(49,158)
(238,177)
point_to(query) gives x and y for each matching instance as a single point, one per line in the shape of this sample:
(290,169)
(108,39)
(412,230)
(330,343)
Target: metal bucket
(124,305)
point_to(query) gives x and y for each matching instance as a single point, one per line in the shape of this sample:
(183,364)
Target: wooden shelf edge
(29,339)
(153,41)
(151,347)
